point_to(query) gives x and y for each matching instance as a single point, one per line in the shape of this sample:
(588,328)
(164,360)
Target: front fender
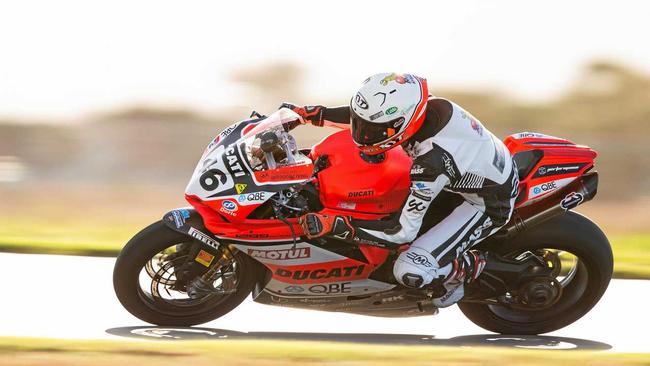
(187,221)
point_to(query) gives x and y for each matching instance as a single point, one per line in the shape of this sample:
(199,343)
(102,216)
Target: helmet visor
(370,133)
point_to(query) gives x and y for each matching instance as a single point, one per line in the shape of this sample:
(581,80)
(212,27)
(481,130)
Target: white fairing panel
(335,289)
(305,254)
(220,179)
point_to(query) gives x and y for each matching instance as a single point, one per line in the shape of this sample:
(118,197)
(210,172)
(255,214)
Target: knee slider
(415,268)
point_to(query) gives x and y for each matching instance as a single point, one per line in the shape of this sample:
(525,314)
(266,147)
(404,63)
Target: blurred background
(105,107)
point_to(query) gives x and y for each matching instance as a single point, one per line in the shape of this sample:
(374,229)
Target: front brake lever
(256,115)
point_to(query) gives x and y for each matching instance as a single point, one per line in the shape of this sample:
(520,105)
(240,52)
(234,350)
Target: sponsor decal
(368,242)
(230,213)
(449,165)
(376,115)
(420,185)
(419,195)
(180,216)
(331,288)
(392,298)
(300,172)
(280,254)
(360,101)
(294,289)
(234,164)
(225,133)
(418,259)
(366,193)
(203,237)
(546,187)
(416,206)
(240,187)
(572,200)
(477,234)
(229,205)
(476,126)
(543,188)
(398,78)
(251,236)
(526,135)
(558,169)
(251,198)
(204,258)
(315,301)
(347,205)
(391,110)
(417,169)
(317,274)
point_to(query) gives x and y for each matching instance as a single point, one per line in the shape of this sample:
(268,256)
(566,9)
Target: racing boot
(463,271)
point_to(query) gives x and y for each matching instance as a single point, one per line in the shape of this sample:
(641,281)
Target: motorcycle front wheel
(582,262)
(147,282)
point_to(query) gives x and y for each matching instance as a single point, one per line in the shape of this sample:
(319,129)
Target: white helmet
(387,110)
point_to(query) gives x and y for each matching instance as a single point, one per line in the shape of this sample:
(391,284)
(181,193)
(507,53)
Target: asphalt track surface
(72,297)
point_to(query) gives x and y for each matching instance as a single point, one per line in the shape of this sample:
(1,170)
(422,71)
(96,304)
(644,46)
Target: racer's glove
(310,113)
(316,225)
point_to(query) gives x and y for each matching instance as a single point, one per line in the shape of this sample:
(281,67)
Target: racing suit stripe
(458,235)
(480,230)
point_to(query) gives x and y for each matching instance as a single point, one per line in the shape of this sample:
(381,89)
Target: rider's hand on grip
(311,113)
(317,225)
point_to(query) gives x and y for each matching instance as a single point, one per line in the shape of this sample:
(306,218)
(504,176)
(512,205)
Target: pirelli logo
(201,236)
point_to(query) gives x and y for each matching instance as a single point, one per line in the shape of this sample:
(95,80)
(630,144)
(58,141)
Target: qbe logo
(229,205)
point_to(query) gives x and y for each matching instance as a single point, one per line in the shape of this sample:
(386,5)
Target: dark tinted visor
(370,133)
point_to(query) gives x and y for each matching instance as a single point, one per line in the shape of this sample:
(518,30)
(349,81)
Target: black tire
(569,232)
(139,250)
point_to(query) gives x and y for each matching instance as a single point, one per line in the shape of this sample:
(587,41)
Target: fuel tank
(353,184)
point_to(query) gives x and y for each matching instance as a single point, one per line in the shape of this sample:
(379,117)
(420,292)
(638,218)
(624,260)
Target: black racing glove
(316,225)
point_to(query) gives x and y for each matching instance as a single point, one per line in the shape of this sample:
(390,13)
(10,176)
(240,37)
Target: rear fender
(187,221)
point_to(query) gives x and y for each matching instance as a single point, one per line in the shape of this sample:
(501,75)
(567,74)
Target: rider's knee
(415,268)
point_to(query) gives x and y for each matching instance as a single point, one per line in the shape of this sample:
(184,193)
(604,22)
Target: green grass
(35,351)
(631,252)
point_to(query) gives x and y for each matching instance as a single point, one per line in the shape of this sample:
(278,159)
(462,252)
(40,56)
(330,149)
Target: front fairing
(235,172)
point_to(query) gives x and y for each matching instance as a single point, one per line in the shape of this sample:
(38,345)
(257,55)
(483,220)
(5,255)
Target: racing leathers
(458,164)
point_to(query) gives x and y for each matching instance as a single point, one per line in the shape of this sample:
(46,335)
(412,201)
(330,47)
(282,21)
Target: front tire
(134,258)
(572,233)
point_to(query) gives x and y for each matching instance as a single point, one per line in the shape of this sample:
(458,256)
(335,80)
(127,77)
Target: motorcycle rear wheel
(582,287)
(143,256)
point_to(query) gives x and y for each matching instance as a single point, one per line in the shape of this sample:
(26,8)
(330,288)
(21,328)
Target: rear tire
(570,232)
(144,246)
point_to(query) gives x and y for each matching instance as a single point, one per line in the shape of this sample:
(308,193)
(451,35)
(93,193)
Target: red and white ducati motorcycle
(241,235)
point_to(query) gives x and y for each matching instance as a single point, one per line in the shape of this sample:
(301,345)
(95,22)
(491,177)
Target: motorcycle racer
(463,182)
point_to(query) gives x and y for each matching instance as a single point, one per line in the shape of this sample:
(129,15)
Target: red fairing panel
(352,184)
(548,163)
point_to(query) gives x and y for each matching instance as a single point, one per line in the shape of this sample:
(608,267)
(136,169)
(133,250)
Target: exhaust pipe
(581,190)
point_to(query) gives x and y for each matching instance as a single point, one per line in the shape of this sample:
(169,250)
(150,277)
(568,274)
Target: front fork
(203,285)
(206,256)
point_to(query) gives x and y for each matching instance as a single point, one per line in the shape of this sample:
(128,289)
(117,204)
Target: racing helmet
(387,110)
